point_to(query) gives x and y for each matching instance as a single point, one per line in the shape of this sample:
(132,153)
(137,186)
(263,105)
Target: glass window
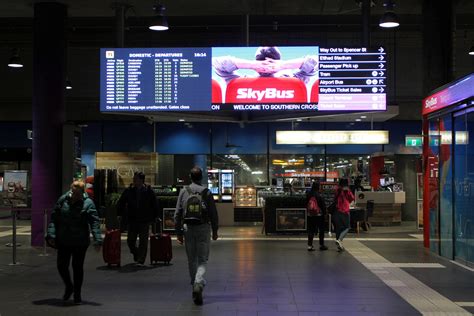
(348,166)
(464,188)
(433,183)
(297,170)
(248,169)
(446,186)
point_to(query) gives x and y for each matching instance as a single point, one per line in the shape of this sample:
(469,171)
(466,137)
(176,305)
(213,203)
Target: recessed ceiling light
(298,120)
(358,120)
(363,117)
(182,120)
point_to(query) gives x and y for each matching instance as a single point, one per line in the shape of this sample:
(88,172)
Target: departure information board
(267,78)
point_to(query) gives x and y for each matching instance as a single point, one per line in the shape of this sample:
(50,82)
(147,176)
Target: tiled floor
(245,277)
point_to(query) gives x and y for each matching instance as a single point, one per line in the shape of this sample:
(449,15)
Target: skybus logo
(431,102)
(268,93)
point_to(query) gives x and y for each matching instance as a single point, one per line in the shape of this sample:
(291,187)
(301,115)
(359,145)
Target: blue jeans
(341,223)
(197,240)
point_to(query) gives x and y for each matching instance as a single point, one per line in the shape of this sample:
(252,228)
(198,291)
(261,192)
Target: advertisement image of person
(267,63)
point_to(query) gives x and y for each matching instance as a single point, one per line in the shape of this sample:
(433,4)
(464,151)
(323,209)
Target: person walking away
(316,210)
(343,199)
(72,220)
(195,216)
(138,203)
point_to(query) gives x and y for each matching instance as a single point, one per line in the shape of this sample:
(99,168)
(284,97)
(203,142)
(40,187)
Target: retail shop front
(448,152)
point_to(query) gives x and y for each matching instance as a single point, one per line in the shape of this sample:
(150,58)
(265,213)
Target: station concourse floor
(385,271)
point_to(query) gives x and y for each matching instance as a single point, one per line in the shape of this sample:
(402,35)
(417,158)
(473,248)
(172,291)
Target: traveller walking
(195,216)
(316,210)
(72,220)
(343,199)
(138,203)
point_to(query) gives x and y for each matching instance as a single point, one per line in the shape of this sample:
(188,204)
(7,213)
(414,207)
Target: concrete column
(49,60)
(438,43)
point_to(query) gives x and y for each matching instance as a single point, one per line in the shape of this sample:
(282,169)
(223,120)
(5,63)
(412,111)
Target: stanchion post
(45,230)
(14,244)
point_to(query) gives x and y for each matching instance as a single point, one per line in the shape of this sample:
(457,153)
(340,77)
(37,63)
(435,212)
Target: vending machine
(213,183)
(227,185)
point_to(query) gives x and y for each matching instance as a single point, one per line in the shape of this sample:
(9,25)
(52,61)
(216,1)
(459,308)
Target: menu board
(328,191)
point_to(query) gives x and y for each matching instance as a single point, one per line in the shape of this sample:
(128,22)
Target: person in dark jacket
(72,220)
(138,203)
(315,218)
(196,234)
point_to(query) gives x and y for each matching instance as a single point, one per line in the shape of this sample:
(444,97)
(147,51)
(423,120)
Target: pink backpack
(313,207)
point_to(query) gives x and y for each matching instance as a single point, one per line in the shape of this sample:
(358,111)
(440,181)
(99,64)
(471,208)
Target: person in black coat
(138,203)
(316,210)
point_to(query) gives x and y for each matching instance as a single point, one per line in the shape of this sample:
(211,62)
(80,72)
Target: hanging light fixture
(471,50)
(15,60)
(389,19)
(68,84)
(159,22)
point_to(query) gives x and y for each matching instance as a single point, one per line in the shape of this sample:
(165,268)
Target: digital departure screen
(270,78)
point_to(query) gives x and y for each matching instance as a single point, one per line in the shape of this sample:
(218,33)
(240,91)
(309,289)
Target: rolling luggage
(111,249)
(160,248)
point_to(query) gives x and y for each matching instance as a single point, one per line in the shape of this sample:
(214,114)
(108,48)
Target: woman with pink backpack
(316,210)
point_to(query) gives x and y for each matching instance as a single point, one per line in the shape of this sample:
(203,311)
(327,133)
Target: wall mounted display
(290,219)
(266,78)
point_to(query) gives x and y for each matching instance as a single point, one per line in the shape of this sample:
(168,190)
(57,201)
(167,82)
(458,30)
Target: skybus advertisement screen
(272,78)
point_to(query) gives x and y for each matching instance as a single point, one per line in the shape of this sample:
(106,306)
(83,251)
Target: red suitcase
(111,249)
(160,248)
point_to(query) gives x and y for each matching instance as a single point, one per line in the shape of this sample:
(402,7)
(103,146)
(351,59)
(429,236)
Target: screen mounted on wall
(271,78)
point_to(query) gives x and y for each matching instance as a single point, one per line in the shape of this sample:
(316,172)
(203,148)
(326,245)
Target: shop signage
(332,137)
(312,174)
(127,164)
(413,141)
(449,94)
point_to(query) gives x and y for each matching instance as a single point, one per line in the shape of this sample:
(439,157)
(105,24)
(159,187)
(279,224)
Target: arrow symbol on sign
(381,73)
(381,49)
(381,66)
(381,57)
(381,90)
(381,81)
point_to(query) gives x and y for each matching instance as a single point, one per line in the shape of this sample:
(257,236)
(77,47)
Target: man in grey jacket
(195,229)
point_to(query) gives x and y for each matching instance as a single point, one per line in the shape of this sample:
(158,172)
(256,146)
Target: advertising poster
(15,188)
(419,206)
(290,219)
(168,219)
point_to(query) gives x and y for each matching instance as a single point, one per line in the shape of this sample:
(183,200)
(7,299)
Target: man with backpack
(195,215)
(138,203)
(316,210)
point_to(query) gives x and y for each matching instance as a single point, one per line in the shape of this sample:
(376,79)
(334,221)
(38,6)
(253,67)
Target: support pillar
(49,74)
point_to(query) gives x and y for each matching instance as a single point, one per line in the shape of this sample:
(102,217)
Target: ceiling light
(389,19)
(471,51)
(159,22)
(182,120)
(298,120)
(15,60)
(363,117)
(68,84)
(358,120)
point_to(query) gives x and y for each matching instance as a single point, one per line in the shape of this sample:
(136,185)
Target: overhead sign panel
(331,137)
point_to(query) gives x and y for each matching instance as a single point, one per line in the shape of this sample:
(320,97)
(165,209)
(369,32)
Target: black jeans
(139,230)
(315,224)
(78,254)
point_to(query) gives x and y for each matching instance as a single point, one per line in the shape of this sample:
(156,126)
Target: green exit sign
(414,141)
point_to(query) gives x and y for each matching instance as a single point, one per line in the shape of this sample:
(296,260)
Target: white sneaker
(310,248)
(339,245)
